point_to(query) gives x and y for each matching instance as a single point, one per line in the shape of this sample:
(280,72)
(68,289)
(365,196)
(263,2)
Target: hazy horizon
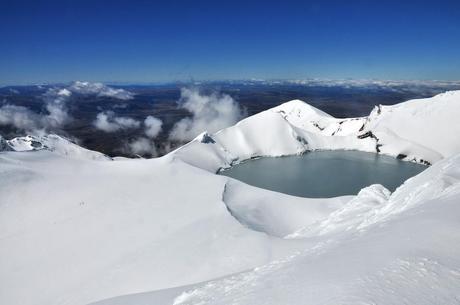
(333,81)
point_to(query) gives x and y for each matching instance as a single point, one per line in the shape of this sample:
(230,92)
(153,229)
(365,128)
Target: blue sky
(149,41)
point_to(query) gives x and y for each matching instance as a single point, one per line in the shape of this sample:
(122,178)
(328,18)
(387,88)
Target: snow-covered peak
(54,143)
(421,130)
(301,108)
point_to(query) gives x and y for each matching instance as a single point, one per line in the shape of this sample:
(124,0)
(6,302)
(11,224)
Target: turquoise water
(324,173)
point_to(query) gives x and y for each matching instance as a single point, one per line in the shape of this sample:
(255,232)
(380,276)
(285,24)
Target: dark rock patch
(317,126)
(368,134)
(301,140)
(425,162)
(207,139)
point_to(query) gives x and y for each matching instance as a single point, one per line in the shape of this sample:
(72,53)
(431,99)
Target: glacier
(78,227)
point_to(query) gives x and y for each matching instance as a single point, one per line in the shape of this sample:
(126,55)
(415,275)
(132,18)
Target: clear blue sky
(59,41)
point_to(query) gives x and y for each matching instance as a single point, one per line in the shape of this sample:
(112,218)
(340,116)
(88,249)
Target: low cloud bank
(209,113)
(56,115)
(142,146)
(146,145)
(56,100)
(153,126)
(108,122)
(19,117)
(24,119)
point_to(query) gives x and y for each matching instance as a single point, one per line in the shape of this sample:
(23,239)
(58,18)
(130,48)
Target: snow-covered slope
(375,250)
(99,229)
(429,122)
(77,227)
(422,130)
(379,248)
(53,143)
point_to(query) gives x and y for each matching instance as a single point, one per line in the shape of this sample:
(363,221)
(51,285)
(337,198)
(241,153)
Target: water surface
(324,173)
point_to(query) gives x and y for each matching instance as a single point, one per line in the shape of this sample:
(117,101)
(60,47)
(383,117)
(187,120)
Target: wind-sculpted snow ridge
(76,228)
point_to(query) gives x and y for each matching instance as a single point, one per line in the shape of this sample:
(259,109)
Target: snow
(365,253)
(53,143)
(77,227)
(111,228)
(260,210)
(420,130)
(424,121)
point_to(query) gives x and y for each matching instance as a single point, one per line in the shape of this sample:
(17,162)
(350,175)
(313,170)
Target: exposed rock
(207,139)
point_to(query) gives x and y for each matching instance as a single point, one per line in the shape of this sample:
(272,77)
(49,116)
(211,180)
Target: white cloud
(145,145)
(209,113)
(58,115)
(152,126)
(99,89)
(108,122)
(393,85)
(20,117)
(142,146)
(23,118)
(56,100)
